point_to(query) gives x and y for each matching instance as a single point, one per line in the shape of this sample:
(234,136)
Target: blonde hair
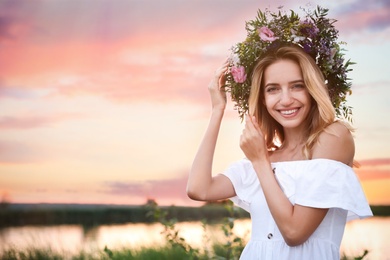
(321,114)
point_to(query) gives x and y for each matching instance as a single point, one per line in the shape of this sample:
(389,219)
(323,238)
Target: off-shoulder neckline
(312,161)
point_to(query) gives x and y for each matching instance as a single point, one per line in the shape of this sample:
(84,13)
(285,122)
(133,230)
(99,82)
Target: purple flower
(238,73)
(309,29)
(307,47)
(324,47)
(266,34)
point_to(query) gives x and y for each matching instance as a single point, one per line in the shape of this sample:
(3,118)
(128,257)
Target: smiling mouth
(288,112)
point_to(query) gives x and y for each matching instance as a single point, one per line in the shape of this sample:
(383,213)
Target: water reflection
(56,237)
(131,235)
(372,234)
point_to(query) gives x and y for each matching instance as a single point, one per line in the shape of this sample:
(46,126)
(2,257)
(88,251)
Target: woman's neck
(292,147)
(294,138)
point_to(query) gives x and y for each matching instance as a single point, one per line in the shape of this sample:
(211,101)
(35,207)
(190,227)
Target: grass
(30,254)
(167,252)
(161,253)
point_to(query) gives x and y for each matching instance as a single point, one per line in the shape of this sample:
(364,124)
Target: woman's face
(286,97)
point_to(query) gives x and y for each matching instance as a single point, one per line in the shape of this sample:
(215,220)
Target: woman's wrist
(262,165)
(218,111)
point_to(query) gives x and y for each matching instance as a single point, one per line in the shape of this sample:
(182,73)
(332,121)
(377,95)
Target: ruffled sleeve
(245,182)
(324,183)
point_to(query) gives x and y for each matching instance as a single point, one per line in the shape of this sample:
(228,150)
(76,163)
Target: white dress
(318,183)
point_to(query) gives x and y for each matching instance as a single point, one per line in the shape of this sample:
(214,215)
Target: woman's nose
(286,98)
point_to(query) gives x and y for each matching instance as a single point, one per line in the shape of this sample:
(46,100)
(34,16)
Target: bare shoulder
(336,143)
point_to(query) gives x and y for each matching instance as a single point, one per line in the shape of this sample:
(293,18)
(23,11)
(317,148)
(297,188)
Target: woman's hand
(216,88)
(252,141)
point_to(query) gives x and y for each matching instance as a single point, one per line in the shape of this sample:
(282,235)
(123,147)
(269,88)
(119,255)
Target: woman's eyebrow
(290,82)
(296,81)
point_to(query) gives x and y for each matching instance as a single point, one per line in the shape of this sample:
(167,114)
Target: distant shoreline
(98,214)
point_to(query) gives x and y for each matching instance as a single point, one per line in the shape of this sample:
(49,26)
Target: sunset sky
(106,101)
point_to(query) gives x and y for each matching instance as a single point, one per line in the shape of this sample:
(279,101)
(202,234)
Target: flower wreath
(315,34)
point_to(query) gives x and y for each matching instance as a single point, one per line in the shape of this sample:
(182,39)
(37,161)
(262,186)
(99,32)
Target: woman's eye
(298,86)
(271,89)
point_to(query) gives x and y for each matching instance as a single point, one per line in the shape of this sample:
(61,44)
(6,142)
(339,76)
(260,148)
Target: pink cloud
(171,62)
(13,25)
(364,16)
(12,152)
(28,122)
(16,93)
(160,190)
(375,162)
(16,152)
(25,123)
(373,174)
(372,169)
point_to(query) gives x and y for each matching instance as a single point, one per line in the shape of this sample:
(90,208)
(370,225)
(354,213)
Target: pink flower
(238,73)
(266,34)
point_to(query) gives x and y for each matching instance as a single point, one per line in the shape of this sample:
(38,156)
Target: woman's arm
(201,185)
(295,222)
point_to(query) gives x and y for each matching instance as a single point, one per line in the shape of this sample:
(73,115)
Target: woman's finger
(221,70)
(255,123)
(249,125)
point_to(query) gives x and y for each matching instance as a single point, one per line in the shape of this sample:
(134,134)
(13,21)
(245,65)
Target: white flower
(296,38)
(234,59)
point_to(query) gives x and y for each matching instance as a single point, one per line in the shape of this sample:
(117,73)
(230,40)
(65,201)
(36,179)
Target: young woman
(296,180)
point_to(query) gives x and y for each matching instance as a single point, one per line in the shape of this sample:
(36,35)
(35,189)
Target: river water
(372,234)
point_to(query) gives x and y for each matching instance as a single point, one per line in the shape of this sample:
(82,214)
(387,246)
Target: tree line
(89,215)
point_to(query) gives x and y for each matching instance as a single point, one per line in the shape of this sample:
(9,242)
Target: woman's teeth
(288,112)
